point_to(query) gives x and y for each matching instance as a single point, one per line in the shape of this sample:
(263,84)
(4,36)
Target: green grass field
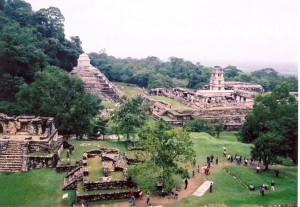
(36,188)
(175,104)
(130,91)
(95,168)
(109,105)
(226,189)
(229,191)
(43,187)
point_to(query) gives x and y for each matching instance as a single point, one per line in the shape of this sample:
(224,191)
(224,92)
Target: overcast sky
(210,31)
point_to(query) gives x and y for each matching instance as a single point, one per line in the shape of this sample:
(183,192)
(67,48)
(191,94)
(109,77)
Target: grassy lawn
(228,190)
(229,136)
(130,91)
(43,187)
(117,175)
(109,105)
(175,104)
(95,168)
(40,187)
(206,145)
(166,118)
(39,154)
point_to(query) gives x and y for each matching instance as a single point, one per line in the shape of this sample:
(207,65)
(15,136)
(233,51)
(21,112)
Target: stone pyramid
(95,81)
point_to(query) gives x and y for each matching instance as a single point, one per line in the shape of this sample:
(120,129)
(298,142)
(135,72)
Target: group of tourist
(132,198)
(239,159)
(263,188)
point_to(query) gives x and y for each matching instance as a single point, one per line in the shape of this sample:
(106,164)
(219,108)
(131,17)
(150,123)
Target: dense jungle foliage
(151,72)
(31,41)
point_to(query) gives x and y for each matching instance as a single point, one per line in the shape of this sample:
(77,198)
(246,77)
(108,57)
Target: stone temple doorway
(1,129)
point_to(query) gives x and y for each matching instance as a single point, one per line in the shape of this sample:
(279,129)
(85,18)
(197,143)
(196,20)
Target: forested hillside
(151,72)
(31,43)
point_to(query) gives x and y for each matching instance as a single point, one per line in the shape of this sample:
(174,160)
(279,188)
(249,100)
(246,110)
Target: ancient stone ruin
(28,142)
(220,101)
(94,81)
(216,82)
(105,187)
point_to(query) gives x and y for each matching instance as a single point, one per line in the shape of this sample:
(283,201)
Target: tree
(244,77)
(266,72)
(230,72)
(267,146)
(198,125)
(9,87)
(15,42)
(168,150)
(275,113)
(99,127)
(131,115)
(219,127)
(57,94)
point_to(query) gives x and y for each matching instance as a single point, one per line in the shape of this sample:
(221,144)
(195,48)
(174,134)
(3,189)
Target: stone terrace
(22,135)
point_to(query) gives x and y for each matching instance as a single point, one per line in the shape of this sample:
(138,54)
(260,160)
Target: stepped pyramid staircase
(12,156)
(94,80)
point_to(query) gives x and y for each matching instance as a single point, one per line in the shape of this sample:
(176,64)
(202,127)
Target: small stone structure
(220,101)
(94,81)
(111,161)
(22,135)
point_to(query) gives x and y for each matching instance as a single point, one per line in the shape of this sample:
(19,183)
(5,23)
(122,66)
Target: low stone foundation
(104,196)
(88,186)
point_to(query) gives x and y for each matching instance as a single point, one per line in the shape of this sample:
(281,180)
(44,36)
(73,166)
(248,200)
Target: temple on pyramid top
(95,81)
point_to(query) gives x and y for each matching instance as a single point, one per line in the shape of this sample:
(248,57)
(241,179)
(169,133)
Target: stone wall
(122,194)
(42,161)
(88,186)
(27,125)
(232,118)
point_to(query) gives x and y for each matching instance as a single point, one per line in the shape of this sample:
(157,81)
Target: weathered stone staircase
(11,158)
(71,179)
(96,82)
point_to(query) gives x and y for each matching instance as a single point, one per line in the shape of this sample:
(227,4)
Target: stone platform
(202,189)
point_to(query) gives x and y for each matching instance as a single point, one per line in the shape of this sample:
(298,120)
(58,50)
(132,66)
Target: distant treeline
(151,72)
(35,57)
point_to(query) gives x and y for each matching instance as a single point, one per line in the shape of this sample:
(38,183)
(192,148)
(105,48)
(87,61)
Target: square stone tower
(217,79)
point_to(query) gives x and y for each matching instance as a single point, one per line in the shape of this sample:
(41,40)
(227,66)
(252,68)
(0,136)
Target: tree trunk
(266,163)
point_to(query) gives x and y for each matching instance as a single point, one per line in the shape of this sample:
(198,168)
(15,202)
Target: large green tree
(130,116)
(57,94)
(30,40)
(267,147)
(168,151)
(275,113)
(198,125)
